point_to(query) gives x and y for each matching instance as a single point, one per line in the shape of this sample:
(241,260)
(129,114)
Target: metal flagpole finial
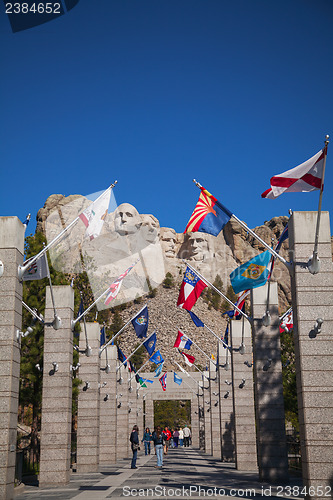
(197,183)
(327,139)
(113,185)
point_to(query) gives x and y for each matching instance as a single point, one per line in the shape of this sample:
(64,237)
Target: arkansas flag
(304,178)
(189,360)
(163,381)
(115,286)
(182,342)
(190,290)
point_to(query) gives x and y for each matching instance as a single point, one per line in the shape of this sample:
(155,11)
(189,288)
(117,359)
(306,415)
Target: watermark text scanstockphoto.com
(192,490)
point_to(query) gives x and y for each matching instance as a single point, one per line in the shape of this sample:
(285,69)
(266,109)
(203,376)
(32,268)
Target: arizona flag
(189,360)
(93,216)
(163,381)
(209,215)
(252,274)
(190,290)
(182,341)
(301,179)
(115,286)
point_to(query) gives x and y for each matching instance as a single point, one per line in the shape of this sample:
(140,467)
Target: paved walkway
(187,473)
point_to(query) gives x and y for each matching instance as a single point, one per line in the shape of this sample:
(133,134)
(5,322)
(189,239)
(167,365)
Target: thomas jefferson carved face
(150,228)
(127,219)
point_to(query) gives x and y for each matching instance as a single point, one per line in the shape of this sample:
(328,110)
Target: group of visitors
(162,440)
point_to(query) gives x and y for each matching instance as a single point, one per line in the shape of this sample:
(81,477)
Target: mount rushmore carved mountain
(128,237)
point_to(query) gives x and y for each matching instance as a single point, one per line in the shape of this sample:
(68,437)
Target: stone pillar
(207,415)
(108,407)
(149,413)
(201,416)
(245,431)
(215,411)
(11,256)
(55,453)
(227,419)
(122,436)
(139,410)
(195,419)
(87,454)
(312,298)
(268,388)
(132,407)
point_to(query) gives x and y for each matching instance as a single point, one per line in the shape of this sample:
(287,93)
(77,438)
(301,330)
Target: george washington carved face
(127,219)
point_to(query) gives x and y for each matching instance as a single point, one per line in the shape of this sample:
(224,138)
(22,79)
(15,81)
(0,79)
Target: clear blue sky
(154,93)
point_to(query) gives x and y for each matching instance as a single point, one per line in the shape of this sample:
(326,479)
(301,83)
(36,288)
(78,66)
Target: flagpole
(122,329)
(188,385)
(185,371)
(127,359)
(51,289)
(139,370)
(22,268)
(34,314)
(217,291)
(285,314)
(218,338)
(314,262)
(244,226)
(203,352)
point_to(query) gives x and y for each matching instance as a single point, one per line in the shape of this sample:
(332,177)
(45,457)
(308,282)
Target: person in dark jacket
(159,438)
(134,439)
(146,439)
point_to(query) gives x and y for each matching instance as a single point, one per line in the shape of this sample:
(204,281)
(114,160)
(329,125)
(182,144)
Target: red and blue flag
(163,381)
(190,290)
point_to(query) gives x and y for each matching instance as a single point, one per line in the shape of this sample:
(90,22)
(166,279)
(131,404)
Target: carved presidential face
(197,246)
(168,241)
(150,228)
(127,219)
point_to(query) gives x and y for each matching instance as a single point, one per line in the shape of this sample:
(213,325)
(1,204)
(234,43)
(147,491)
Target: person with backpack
(159,440)
(135,445)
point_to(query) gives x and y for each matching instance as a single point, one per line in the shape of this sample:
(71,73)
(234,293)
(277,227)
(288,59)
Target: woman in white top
(181,437)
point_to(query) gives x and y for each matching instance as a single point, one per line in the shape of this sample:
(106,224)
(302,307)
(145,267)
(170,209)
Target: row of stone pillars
(243,429)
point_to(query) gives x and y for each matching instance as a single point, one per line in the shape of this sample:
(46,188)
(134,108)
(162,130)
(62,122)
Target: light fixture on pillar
(226,366)
(216,403)
(119,404)
(74,368)
(226,395)
(120,380)
(227,382)
(38,367)
(216,393)
(266,319)
(1,268)
(267,365)
(208,410)
(86,386)
(247,363)
(54,369)
(241,385)
(130,389)
(56,323)
(100,386)
(318,325)
(88,351)
(241,348)
(106,397)
(106,369)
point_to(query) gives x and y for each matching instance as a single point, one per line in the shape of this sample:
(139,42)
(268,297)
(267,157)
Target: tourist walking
(134,439)
(175,438)
(187,435)
(146,440)
(167,434)
(159,439)
(181,436)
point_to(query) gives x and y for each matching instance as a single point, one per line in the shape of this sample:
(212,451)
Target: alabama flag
(301,179)
(190,290)
(182,342)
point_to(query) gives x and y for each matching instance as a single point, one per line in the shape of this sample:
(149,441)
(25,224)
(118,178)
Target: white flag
(93,216)
(38,270)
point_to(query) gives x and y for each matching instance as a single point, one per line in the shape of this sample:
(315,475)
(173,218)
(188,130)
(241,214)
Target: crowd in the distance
(162,440)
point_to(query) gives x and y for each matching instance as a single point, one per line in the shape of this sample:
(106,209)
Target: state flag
(156,358)
(159,369)
(115,286)
(177,379)
(140,323)
(190,290)
(163,381)
(38,270)
(182,342)
(102,337)
(189,360)
(209,215)
(252,274)
(197,321)
(93,216)
(150,344)
(304,178)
